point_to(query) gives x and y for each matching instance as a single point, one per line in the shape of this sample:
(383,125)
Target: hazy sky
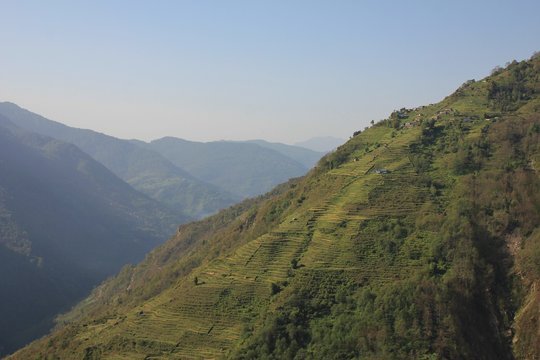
(279,70)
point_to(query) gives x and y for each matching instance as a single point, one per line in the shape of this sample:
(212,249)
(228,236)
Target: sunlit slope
(321,236)
(395,246)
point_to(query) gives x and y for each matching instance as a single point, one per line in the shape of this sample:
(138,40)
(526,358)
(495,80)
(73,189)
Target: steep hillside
(66,223)
(245,169)
(417,239)
(145,170)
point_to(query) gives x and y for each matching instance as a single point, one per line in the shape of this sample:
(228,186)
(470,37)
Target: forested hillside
(242,168)
(419,238)
(66,223)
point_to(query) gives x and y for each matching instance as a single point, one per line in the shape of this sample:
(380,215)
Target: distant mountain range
(419,238)
(145,170)
(303,155)
(66,223)
(245,169)
(321,144)
(194,179)
(76,205)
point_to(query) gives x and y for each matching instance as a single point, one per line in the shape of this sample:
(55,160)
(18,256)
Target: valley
(395,246)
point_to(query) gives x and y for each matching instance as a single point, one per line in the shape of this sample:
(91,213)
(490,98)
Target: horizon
(241,71)
(246,179)
(297,143)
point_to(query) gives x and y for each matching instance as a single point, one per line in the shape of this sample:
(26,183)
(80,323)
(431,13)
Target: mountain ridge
(243,168)
(402,243)
(305,156)
(145,170)
(66,223)
(321,143)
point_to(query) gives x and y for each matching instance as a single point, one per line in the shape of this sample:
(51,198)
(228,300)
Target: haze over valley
(77,205)
(269,180)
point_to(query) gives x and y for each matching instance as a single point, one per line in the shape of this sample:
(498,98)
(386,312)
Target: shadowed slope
(401,244)
(66,223)
(145,170)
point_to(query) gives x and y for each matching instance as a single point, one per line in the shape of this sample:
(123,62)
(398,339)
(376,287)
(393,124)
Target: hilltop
(418,238)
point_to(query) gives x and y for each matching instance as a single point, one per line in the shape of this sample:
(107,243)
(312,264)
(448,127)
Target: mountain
(419,238)
(304,156)
(321,144)
(66,223)
(244,169)
(145,170)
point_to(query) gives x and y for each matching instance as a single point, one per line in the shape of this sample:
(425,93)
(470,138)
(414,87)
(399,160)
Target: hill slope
(145,170)
(418,238)
(245,169)
(66,223)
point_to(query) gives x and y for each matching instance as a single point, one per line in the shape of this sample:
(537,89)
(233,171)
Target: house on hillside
(381,171)
(402,115)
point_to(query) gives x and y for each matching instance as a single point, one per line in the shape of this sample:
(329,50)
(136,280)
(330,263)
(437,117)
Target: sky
(280,70)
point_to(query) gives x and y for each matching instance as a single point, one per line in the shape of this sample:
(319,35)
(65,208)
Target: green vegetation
(417,239)
(66,223)
(306,157)
(514,87)
(243,168)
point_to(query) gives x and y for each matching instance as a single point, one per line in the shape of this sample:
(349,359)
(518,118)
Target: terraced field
(324,241)
(203,315)
(374,254)
(327,239)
